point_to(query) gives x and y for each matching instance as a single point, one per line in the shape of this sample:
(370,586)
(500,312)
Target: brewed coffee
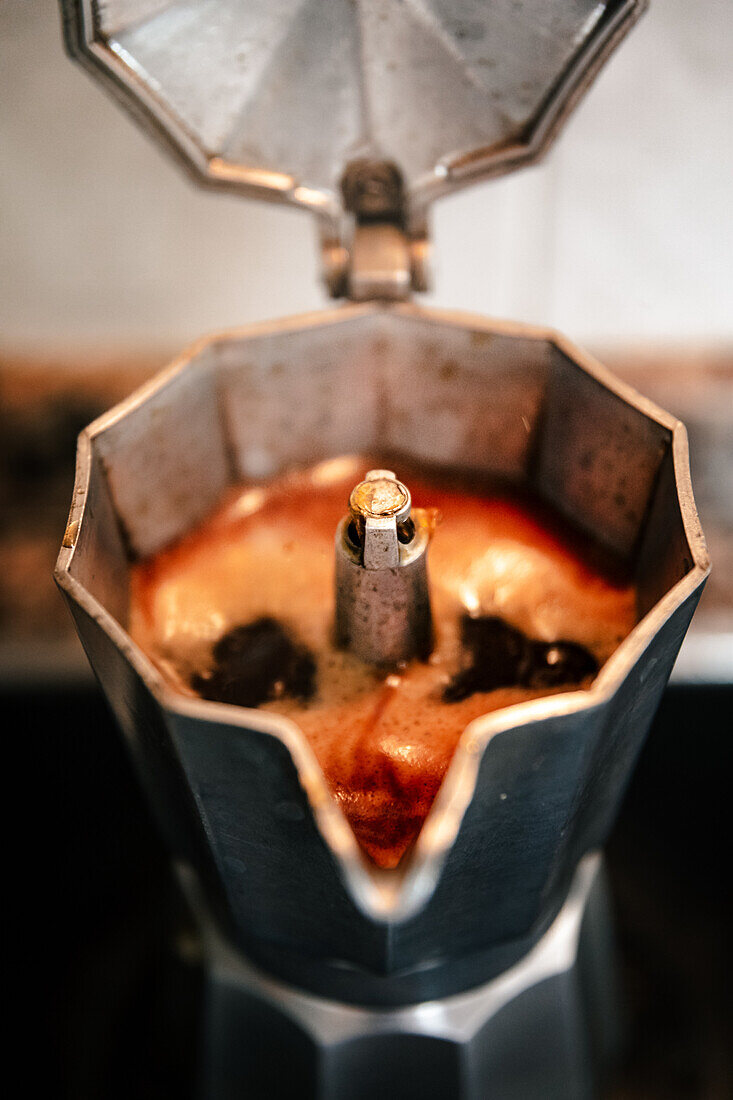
(241,610)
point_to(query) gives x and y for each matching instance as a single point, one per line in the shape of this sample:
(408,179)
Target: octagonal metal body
(547,1027)
(531,788)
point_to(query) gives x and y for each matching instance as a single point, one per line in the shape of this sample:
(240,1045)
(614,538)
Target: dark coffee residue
(259,662)
(499,655)
(256,663)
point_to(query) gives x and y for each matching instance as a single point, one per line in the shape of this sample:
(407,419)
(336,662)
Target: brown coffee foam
(384,743)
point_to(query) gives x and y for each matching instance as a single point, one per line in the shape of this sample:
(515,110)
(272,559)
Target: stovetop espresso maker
(481,966)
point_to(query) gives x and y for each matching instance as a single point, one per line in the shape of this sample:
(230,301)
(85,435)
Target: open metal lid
(276,99)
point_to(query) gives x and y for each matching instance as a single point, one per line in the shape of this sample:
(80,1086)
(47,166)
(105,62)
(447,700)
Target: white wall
(625,233)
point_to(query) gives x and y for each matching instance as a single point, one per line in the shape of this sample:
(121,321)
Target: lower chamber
(546,1027)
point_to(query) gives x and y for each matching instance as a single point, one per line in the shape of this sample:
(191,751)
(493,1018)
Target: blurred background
(111,260)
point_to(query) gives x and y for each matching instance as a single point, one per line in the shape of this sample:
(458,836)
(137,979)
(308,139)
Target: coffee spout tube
(382,596)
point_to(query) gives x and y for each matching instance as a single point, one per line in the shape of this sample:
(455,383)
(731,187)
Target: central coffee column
(382,597)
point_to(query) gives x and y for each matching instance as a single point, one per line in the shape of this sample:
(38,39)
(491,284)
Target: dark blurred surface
(117,955)
(672,877)
(113,951)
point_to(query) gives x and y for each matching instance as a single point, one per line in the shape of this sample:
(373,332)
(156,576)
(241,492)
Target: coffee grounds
(256,663)
(500,656)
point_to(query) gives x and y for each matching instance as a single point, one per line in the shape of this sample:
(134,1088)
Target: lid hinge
(382,260)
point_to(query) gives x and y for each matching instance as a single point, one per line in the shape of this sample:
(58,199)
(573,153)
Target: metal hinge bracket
(381,257)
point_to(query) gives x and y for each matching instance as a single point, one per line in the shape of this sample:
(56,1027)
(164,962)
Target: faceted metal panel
(543,1029)
(276,97)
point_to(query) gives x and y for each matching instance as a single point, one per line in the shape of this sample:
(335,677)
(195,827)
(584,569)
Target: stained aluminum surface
(531,788)
(273,98)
